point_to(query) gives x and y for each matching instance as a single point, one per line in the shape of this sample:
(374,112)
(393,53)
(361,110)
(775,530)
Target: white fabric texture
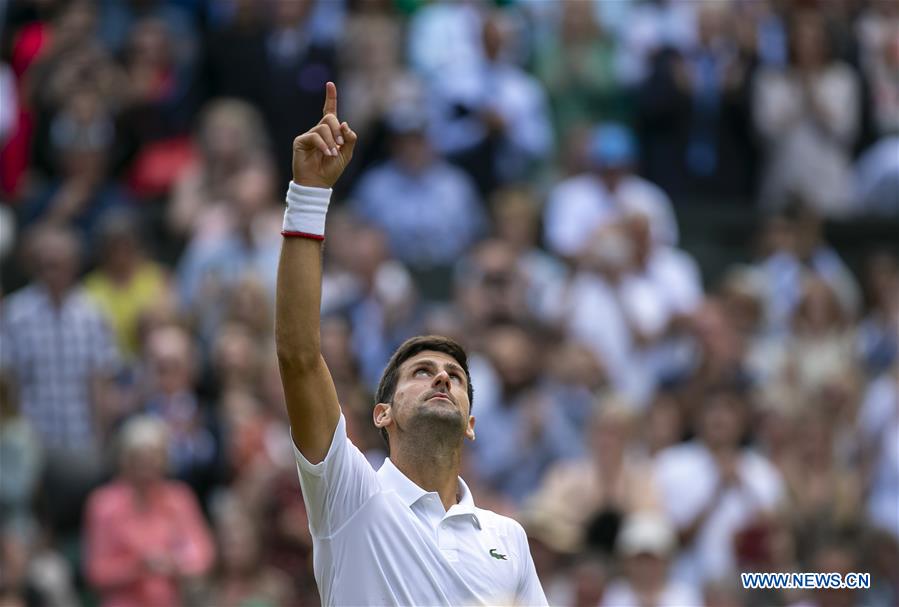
(306,210)
(380,539)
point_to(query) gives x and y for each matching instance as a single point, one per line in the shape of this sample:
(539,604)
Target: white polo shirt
(380,539)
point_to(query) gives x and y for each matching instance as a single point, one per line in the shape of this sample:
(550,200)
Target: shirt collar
(392,479)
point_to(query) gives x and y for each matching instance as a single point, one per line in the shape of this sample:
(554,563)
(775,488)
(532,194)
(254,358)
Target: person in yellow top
(125,284)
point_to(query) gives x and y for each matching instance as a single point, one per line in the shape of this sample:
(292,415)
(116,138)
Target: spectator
(596,492)
(126,284)
(492,117)
(296,67)
(523,413)
(242,578)
(20,448)
(579,206)
(579,66)
(877,178)
(429,209)
(646,544)
(879,428)
(794,247)
(194,449)
(732,487)
(719,148)
(58,347)
(490,287)
(808,118)
(82,136)
(878,32)
(145,535)
(230,138)
(516,215)
(878,332)
(217,260)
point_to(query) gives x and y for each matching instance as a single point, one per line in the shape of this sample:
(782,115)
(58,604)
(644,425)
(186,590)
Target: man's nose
(442,378)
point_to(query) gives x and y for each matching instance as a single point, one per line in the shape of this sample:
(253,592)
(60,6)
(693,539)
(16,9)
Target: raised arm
(319,157)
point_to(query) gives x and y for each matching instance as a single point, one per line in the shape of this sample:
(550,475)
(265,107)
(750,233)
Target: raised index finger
(330,99)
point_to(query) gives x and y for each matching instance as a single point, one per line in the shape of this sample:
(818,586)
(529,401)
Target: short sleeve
(338,486)
(530,591)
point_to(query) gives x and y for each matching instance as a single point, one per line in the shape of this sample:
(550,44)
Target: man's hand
(322,153)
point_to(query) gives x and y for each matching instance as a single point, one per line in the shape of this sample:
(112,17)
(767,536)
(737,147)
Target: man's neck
(432,469)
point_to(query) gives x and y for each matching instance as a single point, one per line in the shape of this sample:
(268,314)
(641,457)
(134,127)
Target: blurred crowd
(519,180)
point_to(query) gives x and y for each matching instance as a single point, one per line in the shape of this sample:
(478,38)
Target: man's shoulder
(504,525)
(21,301)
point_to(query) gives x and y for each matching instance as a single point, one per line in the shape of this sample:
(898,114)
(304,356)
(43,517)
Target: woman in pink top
(146,536)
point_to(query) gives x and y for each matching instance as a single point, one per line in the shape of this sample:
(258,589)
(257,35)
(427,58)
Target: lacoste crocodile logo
(497,555)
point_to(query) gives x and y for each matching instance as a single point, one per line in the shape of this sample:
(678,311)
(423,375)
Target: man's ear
(469,430)
(382,415)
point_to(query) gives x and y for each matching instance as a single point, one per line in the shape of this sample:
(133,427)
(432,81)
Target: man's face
(431,391)
(721,423)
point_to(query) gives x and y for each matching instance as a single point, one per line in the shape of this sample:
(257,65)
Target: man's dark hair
(408,349)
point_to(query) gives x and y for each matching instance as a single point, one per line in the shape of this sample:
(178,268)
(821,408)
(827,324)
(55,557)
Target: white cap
(646,532)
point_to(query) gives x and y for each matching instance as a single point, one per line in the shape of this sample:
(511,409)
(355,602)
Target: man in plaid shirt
(57,346)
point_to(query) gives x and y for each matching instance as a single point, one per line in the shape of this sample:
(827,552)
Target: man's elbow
(294,356)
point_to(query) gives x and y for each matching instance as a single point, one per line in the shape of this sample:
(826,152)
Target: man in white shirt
(409,534)
(579,206)
(731,488)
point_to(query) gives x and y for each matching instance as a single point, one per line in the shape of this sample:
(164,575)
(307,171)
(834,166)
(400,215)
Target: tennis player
(410,533)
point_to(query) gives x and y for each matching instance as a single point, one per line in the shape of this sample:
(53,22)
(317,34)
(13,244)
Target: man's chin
(439,412)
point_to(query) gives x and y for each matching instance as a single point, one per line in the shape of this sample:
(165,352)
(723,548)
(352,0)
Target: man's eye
(456,377)
(419,372)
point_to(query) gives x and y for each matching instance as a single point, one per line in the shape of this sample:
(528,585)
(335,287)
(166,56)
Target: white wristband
(306,211)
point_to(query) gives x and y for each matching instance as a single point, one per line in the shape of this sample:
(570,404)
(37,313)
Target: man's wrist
(311,183)
(307,208)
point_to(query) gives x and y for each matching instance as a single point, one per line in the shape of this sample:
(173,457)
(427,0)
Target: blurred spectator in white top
(732,487)
(445,34)
(58,347)
(578,206)
(429,209)
(793,246)
(648,288)
(877,177)
(646,545)
(492,117)
(878,425)
(808,116)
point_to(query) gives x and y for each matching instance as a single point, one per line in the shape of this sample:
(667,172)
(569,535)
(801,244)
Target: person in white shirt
(410,533)
(581,205)
(646,542)
(730,489)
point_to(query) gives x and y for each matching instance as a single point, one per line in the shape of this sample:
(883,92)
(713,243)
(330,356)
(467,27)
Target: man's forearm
(298,302)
